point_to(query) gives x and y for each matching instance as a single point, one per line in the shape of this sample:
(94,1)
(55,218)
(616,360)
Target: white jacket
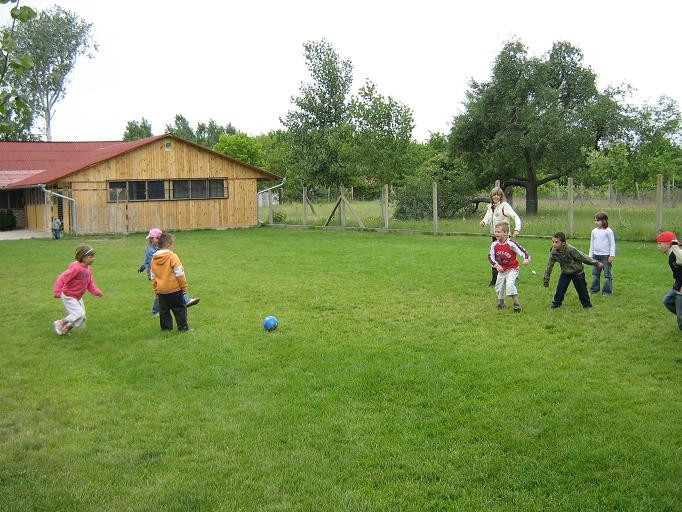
(502,213)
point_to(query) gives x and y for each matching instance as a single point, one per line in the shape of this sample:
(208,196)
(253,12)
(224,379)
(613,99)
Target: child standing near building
(152,247)
(571,262)
(668,244)
(169,284)
(502,257)
(602,248)
(71,286)
(56,227)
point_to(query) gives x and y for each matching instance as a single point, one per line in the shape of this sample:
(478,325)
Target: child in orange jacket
(169,284)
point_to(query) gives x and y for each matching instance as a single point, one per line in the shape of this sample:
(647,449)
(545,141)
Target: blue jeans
(56,233)
(155,305)
(596,271)
(673,302)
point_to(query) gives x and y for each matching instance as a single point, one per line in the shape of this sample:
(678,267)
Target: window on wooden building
(180,189)
(118,191)
(216,188)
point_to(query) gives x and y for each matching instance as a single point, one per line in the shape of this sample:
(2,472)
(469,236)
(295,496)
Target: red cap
(666,236)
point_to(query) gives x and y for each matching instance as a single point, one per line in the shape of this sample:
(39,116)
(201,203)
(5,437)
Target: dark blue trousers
(580,286)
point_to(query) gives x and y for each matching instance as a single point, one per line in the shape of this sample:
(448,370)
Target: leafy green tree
(242,147)
(16,116)
(181,128)
(135,130)
(318,127)
(54,39)
(381,136)
(205,134)
(209,134)
(534,120)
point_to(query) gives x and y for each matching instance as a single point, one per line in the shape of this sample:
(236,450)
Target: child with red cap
(668,244)
(153,246)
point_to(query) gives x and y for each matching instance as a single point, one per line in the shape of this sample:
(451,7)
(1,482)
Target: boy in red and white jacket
(502,257)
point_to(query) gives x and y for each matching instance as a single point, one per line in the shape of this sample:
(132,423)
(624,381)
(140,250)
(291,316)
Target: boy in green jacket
(571,262)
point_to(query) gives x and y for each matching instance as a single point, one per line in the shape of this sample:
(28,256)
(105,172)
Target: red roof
(24,164)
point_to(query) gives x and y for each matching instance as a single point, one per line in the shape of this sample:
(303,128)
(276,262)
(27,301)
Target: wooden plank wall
(154,162)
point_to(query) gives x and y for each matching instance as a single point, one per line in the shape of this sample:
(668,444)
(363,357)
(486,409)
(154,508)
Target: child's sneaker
(58,327)
(192,302)
(501,305)
(517,308)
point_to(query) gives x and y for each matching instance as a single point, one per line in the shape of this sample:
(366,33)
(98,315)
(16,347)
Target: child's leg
(670,301)
(678,308)
(75,312)
(165,318)
(561,287)
(512,276)
(155,306)
(177,306)
(500,287)
(581,287)
(608,279)
(596,274)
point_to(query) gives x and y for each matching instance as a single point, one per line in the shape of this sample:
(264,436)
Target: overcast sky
(241,62)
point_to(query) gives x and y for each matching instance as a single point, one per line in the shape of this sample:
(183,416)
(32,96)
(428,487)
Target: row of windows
(154,190)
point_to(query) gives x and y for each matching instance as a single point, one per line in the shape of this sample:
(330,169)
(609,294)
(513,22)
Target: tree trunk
(531,199)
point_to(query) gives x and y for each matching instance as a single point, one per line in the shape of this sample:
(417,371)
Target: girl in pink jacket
(71,286)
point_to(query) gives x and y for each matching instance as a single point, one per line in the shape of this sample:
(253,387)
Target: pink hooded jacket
(75,280)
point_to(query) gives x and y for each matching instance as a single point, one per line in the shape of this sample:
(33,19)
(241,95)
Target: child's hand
(545,284)
(600,264)
(141,268)
(611,258)
(516,233)
(498,267)
(482,224)
(525,261)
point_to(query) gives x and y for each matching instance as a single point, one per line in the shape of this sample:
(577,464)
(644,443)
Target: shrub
(456,187)
(7,220)
(279,217)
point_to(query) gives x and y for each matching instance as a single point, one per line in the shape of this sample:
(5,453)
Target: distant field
(631,221)
(392,383)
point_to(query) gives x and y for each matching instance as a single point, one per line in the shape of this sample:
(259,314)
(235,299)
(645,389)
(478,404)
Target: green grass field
(391,384)
(630,221)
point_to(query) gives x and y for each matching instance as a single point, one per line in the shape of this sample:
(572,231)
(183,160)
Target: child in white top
(602,248)
(499,210)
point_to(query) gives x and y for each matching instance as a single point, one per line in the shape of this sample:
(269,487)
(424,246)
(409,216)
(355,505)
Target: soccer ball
(270,323)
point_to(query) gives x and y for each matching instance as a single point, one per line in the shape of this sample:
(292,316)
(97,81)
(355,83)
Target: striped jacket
(504,254)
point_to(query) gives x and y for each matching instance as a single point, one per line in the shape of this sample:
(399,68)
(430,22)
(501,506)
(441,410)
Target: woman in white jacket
(499,211)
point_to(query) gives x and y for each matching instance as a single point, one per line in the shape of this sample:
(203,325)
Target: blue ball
(270,323)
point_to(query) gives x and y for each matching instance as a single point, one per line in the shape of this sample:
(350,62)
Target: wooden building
(119,187)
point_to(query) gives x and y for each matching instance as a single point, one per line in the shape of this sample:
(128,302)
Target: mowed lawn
(391,384)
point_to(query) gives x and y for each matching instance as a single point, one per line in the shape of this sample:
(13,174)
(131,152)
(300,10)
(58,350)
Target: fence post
(342,207)
(351,193)
(384,204)
(570,206)
(609,192)
(659,202)
(305,217)
(558,194)
(497,183)
(435,208)
(270,212)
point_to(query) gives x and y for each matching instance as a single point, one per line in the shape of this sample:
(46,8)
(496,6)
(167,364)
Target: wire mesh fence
(635,215)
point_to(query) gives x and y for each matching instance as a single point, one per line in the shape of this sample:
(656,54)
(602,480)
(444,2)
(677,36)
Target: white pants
(506,283)
(75,311)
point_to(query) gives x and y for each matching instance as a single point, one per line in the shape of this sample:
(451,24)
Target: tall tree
(533,121)
(16,116)
(242,147)
(135,130)
(205,134)
(55,39)
(318,126)
(382,135)
(209,134)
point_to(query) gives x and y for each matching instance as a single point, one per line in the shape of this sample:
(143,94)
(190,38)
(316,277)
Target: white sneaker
(57,324)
